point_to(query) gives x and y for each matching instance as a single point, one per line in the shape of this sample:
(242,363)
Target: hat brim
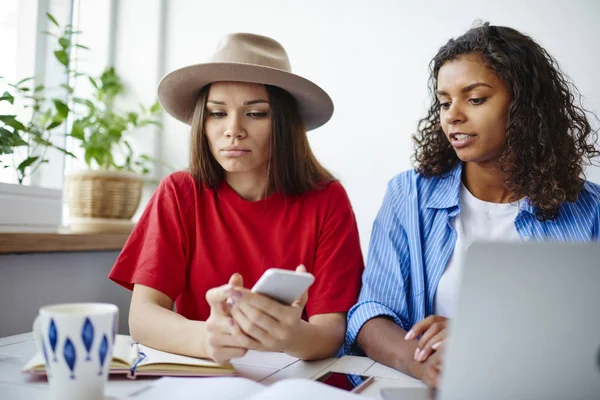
(178,91)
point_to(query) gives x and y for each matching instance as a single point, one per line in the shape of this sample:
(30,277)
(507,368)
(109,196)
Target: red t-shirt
(191,239)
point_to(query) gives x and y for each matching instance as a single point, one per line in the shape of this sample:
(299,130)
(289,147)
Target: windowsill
(60,242)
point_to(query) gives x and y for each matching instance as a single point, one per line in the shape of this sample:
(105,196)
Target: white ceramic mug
(77,340)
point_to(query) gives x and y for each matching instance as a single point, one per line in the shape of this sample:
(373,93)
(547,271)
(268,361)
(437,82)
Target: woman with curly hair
(499,156)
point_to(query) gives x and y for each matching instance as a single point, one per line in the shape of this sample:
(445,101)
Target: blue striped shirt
(412,241)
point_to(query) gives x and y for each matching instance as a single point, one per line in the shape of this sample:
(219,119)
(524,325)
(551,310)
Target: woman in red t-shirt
(254,198)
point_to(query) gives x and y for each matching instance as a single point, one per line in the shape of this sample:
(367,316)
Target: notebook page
(123,351)
(154,356)
(36,364)
(200,388)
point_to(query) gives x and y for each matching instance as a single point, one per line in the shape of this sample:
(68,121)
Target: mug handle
(37,334)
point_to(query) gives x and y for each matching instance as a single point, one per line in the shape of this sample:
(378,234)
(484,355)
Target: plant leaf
(54,124)
(88,157)
(65,151)
(64,42)
(10,139)
(149,122)
(78,100)
(41,140)
(132,117)
(11,120)
(19,142)
(7,97)
(38,88)
(126,143)
(61,107)
(77,131)
(24,80)
(51,18)
(26,163)
(93,82)
(62,57)
(68,88)
(155,107)
(81,46)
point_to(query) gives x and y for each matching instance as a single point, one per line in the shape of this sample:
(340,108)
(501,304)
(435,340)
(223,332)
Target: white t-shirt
(478,220)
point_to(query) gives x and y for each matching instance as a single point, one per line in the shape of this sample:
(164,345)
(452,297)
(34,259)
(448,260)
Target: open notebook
(135,359)
(240,388)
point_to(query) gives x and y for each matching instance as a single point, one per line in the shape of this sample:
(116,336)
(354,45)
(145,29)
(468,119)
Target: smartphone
(283,285)
(351,382)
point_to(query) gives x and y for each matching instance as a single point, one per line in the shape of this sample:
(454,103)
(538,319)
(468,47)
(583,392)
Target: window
(25,53)
(18,33)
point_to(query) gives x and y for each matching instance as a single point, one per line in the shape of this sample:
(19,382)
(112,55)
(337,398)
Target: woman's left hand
(272,325)
(432,368)
(434,331)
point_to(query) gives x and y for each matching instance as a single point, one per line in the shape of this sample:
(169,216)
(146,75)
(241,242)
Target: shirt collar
(526,206)
(447,190)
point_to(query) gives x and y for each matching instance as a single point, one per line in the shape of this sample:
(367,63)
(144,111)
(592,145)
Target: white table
(265,368)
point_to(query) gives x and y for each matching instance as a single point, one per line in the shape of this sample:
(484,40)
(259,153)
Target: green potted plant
(104,197)
(27,132)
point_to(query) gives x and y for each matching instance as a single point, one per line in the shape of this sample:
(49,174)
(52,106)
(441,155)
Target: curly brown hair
(548,136)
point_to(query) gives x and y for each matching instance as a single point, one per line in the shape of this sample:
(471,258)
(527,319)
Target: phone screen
(343,381)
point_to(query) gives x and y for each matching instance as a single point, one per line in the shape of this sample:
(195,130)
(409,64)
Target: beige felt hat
(244,57)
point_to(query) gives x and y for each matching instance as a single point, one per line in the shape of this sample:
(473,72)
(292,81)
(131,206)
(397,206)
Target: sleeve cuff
(358,316)
(326,307)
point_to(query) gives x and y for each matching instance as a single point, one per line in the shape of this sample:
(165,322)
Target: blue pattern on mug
(70,356)
(53,337)
(102,352)
(46,358)
(87,335)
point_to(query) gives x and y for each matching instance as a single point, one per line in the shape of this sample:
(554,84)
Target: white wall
(372,57)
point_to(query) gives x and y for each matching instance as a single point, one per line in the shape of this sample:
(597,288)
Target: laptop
(527,325)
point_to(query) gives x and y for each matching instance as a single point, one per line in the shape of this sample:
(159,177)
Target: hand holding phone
(282,285)
(279,331)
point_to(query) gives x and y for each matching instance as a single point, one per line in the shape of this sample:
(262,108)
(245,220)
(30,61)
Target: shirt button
(526,238)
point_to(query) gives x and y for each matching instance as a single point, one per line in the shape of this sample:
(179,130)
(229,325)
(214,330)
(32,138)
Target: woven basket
(102,194)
